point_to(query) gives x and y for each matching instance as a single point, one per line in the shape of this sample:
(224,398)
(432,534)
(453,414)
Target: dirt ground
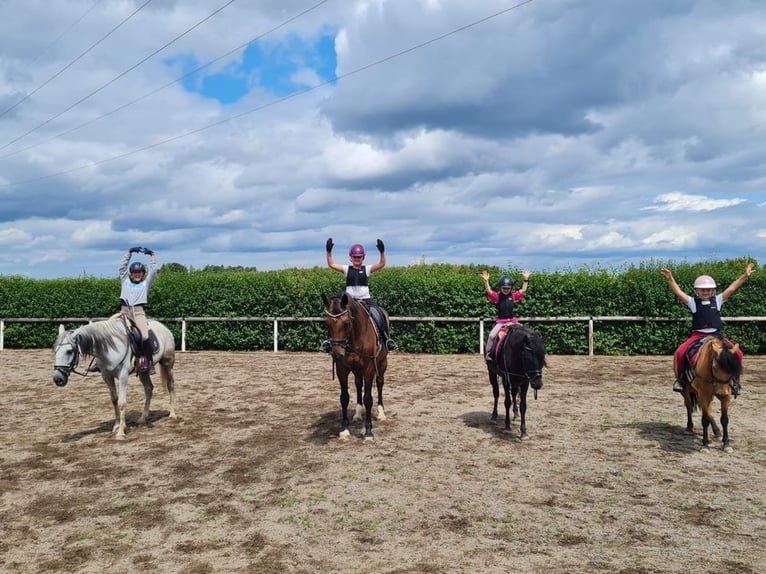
(251,476)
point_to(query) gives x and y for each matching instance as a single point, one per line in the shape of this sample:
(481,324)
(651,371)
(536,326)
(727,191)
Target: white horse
(108,343)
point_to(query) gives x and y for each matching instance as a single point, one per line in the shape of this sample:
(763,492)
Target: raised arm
(485,276)
(330,260)
(738,282)
(382,261)
(525,280)
(679,293)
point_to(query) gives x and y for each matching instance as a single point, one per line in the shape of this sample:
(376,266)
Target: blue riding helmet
(137,267)
(505,281)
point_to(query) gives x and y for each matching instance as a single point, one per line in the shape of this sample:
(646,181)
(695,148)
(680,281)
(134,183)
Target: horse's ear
(344,299)
(61,328)
(325,300)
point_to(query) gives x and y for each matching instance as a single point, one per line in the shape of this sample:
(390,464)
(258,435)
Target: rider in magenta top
(504,300)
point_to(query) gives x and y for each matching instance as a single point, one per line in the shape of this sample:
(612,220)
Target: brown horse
(713,368)
(356,348)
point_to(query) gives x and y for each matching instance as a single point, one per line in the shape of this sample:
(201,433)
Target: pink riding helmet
(357,250)
(704,282)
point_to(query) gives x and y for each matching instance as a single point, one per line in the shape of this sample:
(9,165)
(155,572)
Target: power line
(70,64)
(64,33)
(117,77)
(275,102)
(157,90)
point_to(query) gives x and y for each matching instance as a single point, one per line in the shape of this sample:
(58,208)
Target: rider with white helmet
(705,307)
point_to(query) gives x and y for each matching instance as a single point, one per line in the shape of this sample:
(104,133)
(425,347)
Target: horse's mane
(728,361)
(97,338)
(536,341)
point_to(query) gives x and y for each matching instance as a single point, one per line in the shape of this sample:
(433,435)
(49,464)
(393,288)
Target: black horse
(520,363)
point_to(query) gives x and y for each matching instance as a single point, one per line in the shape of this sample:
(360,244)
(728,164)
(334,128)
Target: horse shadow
(669,437)
(325,429)
(481,420)
(105,427)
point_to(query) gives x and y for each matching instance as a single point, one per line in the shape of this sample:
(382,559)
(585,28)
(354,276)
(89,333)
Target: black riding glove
(380,246)
(329,245)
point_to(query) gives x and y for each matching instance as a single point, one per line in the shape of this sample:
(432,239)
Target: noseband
(344,342)
(72,366)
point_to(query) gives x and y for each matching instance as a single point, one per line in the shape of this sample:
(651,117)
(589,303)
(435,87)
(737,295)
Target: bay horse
(108,343)
(519,361)
(714,366)
(356,349)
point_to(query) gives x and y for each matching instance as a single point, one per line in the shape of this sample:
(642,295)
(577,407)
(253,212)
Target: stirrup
(391,345)
(677,386)
(326,347)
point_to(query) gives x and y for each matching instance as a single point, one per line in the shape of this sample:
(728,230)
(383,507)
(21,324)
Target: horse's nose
(59,378)
(537,383)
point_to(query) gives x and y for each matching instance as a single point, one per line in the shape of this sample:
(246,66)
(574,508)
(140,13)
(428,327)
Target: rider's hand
(380,246)
(148,251)
(329,245)
(135,249)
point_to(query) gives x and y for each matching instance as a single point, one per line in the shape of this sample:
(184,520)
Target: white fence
(480,322)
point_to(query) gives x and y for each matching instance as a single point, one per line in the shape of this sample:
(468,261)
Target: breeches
(138,315)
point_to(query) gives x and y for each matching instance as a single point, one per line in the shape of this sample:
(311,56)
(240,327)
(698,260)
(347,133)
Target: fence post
(183,335)
(481,337)
(590,336)
(2,334)
(276,334)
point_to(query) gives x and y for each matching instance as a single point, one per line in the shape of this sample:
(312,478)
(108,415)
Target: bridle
(66,370)
(344,342)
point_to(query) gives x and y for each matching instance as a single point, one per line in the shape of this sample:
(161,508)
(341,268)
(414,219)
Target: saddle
(378,319)
(501,334)
(134,336)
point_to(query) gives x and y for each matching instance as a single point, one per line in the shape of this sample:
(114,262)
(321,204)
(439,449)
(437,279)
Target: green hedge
(416,291)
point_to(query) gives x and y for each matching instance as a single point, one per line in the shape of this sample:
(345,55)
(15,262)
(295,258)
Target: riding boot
(146,357)
(678,385)
(735,387)
(390,343)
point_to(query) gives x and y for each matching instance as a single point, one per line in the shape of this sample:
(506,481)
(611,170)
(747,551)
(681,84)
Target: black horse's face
(67,355)
(338,321)
(533,361)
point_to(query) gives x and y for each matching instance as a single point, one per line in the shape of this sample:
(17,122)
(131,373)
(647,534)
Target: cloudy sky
(546,134)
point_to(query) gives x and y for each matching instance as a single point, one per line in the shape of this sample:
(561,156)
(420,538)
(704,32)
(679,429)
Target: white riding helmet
(704,282)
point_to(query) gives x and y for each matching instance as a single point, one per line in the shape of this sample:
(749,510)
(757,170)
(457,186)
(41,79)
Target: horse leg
(381,413)
(689,404)
(725,401)
(359,383)
(122,401)
(368,406)
(707,418)
(109,380)
(344,400)
(507,389)
(146,381)
(495,393)
(169,382)
(515,396)
(523,409)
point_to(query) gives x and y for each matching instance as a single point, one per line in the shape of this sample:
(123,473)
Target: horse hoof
(727,449)
(380,414)
(368,437)
(119,436)
(344,434)
(524,437)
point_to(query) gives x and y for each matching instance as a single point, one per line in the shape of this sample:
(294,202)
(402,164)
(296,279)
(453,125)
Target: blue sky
(545,135)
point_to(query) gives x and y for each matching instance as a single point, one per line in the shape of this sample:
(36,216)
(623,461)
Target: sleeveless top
(357,281)
(505,306)
(707,316)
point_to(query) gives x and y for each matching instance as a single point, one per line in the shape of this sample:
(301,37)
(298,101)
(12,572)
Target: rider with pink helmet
(357,279)
(705,307)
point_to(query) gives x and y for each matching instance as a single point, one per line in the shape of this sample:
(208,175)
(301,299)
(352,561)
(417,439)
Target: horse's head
(533,359)
(725,364)
(67,355)
(338,320)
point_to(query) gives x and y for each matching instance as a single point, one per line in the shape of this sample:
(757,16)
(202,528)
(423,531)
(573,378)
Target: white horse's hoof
(366,438)
(728,449)
(344,434)
(380,414)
